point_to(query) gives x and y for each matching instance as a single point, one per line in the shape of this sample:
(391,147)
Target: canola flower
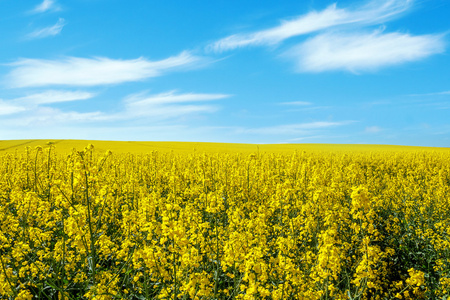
(229,225)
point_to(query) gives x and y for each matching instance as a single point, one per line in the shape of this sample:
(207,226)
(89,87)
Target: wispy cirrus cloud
(305,138)
(296,106)
(338,42)
(50,116)
(7,108)
(170,104)
(296,103)
(362,51)
(374,12)
(373,129)
(291,129)
(47,31)
(431,94)
(77,71)
(37,109)
(46,5)
(54,96)
(33,102)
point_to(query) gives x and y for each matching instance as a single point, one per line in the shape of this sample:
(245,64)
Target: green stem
(91,232)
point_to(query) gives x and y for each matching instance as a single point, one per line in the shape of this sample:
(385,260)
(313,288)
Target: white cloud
(36,110)
(373,129)
(374,12)
(7,108)
(302,128)
(54,96)
(38,116)
(46,5)
(172,97)
(169,105)
(297,103)
(48,31)
(362,51)
(431,94)
(309,138)
(43,116)
(30,106)
(76,71)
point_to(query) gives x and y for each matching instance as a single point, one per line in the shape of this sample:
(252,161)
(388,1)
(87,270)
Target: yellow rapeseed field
(148,220)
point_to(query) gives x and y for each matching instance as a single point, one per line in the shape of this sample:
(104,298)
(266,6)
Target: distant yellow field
(64,146)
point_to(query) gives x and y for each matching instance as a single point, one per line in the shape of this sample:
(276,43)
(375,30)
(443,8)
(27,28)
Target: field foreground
(223,222)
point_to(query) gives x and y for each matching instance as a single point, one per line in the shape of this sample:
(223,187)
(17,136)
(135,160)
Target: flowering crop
(195,225)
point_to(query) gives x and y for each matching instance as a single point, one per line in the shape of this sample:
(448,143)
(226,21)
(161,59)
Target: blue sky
(366,72)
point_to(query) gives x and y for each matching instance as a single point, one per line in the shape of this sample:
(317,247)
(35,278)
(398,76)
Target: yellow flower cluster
(291,225)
